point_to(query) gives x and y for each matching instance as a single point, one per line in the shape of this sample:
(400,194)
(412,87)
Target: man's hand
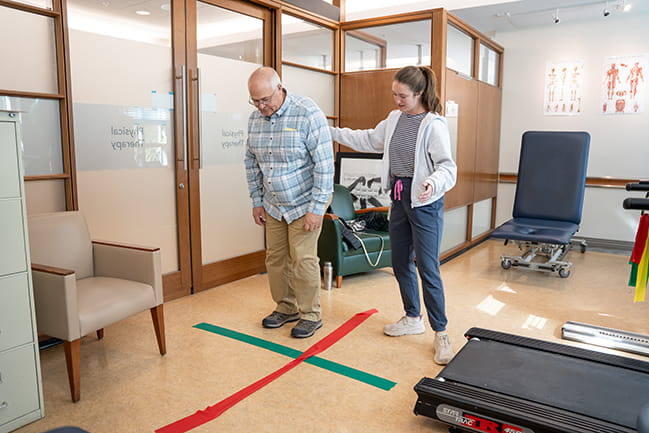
(259,215)
(312,221)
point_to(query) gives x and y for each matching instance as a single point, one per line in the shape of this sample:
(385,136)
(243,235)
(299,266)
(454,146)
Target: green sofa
(332,248)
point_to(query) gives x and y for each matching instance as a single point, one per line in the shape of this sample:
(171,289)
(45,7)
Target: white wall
(619,143)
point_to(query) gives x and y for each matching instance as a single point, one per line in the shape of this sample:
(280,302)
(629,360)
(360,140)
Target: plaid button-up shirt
(289,159)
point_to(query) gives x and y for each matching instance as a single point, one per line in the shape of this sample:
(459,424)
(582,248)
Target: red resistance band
(203,416)
(640,239)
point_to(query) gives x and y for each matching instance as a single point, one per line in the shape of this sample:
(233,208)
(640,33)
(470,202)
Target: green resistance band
(352,373)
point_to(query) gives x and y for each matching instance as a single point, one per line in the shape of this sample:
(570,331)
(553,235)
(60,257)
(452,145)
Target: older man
(289,167)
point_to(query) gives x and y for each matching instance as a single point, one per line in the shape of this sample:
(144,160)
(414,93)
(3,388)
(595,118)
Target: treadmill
(504,383)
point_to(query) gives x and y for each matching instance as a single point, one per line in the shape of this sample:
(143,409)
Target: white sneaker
(443,350)
(405,326)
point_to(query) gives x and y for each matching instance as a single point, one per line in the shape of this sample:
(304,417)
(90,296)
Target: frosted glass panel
(455,226)
(489,62)
(306,43)
(481,217)
(391,46)
(227,227)
(41,133)
(29,47)
(459,51)
(122,78)
(318,86)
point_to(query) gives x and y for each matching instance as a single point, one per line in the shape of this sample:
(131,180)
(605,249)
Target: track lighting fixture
(608,8)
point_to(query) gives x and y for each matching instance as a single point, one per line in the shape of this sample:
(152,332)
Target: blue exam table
(548,200)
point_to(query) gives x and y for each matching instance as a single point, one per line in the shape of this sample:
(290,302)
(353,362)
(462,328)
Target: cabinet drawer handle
(3,405)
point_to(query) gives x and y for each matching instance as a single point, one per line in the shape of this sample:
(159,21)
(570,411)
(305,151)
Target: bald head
(264,77)
(265,89)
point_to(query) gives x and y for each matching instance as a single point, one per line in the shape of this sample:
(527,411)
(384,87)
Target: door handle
(181,148)
(196,89)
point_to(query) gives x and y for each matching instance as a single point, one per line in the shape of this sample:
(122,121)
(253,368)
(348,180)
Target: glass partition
(30,43)
(489,64)
(459,51)
(362,53)
(306,44)
(230,35)
(319,86)
(123,104)
(455,228)
(45,4)
(226,60)
(481,217)
(390,46)
(41,133)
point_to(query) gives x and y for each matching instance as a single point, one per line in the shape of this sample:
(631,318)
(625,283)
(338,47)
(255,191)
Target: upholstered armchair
(332,248)
(81,286)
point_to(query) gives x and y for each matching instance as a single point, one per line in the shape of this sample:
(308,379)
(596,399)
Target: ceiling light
(555,18)
(623,6)
(144,13)
(606,12)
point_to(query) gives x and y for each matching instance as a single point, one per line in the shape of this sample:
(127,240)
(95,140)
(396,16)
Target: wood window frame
(61,39)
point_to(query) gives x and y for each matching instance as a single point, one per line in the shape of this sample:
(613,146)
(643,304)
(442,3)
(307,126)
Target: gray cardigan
(433,161)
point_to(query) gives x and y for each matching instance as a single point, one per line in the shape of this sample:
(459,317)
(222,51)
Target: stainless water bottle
(328,274)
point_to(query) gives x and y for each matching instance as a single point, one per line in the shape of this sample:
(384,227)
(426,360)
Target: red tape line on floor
(208,414)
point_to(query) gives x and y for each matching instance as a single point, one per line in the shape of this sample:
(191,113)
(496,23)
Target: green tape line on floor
(335,367)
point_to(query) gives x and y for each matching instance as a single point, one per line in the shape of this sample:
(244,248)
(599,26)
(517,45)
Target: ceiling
(516,15)
(487,16)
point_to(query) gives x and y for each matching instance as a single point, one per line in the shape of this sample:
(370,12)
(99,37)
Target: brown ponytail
(421,79)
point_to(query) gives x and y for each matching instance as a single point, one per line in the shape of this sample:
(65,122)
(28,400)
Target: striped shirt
(289,159)
(403,145)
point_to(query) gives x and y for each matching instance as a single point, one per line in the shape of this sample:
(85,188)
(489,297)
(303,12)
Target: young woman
(418,169)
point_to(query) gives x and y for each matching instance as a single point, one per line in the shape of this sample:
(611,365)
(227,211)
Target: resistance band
(335,367)
(641,279)
(203,416)
(640,259)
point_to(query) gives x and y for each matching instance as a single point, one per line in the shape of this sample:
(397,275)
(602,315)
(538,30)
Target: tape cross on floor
(212,412)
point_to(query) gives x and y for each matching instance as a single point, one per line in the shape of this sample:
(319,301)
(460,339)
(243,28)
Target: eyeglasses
(262,101)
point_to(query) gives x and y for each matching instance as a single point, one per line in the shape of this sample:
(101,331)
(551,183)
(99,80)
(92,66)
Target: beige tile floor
(128,388)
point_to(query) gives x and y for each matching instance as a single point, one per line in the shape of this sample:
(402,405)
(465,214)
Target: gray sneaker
(443,349)
(305,328)
(405,326)
(277,319)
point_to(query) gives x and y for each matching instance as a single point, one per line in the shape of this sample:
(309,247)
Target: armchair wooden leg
(73,362)
(157,314)
(339,281)
(100,334)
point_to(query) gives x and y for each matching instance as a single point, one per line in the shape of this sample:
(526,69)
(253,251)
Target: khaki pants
(293,267)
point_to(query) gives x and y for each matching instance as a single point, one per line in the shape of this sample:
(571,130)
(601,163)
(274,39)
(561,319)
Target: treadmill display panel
(474,422)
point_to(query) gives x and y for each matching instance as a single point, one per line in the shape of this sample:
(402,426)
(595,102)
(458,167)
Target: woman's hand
(428,192)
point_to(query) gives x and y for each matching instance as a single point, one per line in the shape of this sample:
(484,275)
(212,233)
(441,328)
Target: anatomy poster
(624,84)
(563,89)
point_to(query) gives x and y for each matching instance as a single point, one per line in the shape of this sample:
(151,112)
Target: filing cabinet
(21,397)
